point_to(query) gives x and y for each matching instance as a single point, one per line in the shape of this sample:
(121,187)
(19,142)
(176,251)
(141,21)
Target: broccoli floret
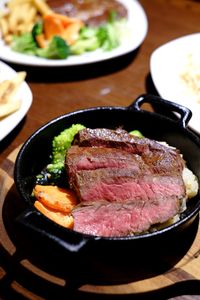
(110,33)
(108,36)
(112,16)
(87,41)
(102,34)
(136,133)
(37,29)
(90,39)
(83,45)
(87,32)
(24,44)
(56,49)
(61,144)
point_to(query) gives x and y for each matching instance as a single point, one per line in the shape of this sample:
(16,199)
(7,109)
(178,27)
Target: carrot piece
(52,26)
(42,43)
(63,26)
(59,199)
(62,219)
(64,19)
(71,33)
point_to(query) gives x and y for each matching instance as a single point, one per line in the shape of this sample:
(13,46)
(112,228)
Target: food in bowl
(120,184)
(37,29)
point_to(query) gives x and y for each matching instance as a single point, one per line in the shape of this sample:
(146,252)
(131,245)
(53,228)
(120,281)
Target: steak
(106,219)
(123,177)
(93,13)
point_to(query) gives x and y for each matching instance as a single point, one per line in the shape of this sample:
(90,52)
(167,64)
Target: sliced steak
(113,165)
(92,158)
(91,12)
(106,219)
(126,185)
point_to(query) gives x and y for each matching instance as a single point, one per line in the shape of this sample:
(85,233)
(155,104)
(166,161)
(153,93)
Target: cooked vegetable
(52,26)
(37,29)
(84,45)
(60,145)
(106,36)
(87,41)
(136,133)
(63,26)
(55,203)
(56,198)
(60,218)
(24,43)
(38,35)
(55,49)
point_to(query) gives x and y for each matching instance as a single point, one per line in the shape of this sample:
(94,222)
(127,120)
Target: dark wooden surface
(116,82)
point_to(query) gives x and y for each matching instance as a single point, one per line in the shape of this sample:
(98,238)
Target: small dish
(167,63)
(137,23)
(8,123)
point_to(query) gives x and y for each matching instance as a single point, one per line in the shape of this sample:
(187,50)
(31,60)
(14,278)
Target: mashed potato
(191,183)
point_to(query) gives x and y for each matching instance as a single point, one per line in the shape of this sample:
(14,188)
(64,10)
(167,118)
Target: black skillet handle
(36,223)
(184,112)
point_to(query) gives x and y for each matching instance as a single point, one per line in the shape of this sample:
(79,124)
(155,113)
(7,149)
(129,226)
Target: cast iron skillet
(89,259)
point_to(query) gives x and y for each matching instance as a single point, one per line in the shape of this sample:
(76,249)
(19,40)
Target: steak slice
(93,13)
(126,185)
(113,174)
(92,158)
(116,219)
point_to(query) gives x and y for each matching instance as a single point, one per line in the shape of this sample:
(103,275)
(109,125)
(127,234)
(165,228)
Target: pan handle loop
(38,224)
(184,112)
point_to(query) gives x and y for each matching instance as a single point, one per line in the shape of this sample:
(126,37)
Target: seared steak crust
(158,156)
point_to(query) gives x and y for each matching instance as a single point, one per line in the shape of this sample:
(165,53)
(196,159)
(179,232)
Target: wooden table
(118,82)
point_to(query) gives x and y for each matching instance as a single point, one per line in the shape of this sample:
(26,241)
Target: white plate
(8,123)
(167,63)
(137,22)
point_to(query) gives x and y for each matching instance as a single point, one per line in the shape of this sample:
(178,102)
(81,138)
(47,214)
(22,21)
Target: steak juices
(125,184)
